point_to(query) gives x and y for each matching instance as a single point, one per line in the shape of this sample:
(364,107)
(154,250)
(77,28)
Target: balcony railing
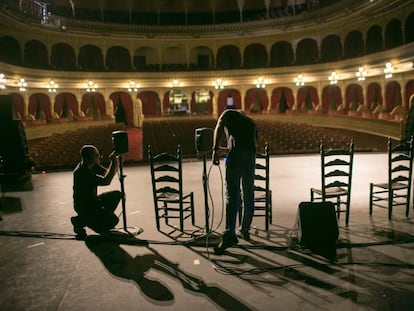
(339,10)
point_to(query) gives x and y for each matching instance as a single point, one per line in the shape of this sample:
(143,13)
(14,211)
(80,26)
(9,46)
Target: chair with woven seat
(396,191)
(262,192)
(336,173)
(170,201)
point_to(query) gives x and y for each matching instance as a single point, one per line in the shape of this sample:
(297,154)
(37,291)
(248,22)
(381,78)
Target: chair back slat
(260,166)
(337,173)
(337,162)
(399,178)
(167,178)
(258,188)
(165,168)
(164,157)
(167,190)
(259,177)
(401,168)
(337,183)
(400,157)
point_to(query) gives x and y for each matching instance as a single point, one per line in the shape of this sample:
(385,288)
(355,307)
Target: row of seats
(164,134)
(61,151)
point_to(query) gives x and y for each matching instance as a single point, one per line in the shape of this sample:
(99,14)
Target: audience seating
(61,151)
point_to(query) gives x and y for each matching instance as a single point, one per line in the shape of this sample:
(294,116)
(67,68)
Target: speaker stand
(209,235)
(135,230)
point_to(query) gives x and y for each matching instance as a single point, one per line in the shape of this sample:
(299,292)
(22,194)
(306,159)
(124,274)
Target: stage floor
(43,266)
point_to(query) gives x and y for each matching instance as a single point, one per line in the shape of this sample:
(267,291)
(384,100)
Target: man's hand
(113,157)
(215,158)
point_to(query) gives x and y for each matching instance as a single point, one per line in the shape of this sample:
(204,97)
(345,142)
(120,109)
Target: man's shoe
(245,235)
(78,228)
(227,241)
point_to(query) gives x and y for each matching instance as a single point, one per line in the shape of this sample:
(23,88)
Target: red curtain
(331,97)
(252,95)
(99,102)
(353,92)
(374,94)
(222,99)
(126,100)
(69,99)
(150,103)
(409,92)
(303,93)
(44,102)
(18,104)
(277,95)
(392,95)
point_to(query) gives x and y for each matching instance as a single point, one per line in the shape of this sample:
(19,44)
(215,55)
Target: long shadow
(247,264)
(122,265)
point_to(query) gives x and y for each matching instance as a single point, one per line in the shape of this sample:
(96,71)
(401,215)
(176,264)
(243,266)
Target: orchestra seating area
(284,137)
(165,134)
(61,151)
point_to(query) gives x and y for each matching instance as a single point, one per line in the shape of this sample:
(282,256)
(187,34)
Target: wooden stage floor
(43,266)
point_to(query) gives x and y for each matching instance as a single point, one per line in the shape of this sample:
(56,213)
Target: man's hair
(88,152)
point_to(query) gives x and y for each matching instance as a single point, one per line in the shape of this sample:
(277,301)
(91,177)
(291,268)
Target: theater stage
(43,266)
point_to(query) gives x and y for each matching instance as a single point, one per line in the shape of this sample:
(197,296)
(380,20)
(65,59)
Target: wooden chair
(336,173)
(262,192)
(396,191)
(167,185)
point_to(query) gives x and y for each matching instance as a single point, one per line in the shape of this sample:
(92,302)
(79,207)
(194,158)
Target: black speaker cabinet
(318,227)
(6,108)
(203,140)
(14,153)
(120,142)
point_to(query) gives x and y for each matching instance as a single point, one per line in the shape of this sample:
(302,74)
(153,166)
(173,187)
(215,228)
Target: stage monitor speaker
(6,108)
(14,151)
(120,142)
(318,227)
(204,140)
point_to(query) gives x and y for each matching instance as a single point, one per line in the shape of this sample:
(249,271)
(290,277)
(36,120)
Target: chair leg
(192,209)
(165,213)
(157,217)
(181,217)
(371,189)
(270,208)
(407,208)
(347,212)
(390,203)
(338,207)
(311,195)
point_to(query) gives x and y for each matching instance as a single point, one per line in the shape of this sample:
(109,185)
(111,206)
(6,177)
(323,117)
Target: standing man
(241,134)
(94,211)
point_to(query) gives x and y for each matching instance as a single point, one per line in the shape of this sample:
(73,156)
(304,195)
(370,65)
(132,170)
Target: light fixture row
(260,82)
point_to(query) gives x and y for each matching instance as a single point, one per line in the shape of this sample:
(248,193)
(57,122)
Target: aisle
(134,145)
